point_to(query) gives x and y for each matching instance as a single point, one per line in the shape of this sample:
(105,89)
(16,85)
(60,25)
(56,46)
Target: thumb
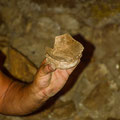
(43,77)
(45,69)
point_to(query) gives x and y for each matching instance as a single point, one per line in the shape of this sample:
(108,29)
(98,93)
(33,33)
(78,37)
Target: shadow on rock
(2,59)
(85,60)
(2,68)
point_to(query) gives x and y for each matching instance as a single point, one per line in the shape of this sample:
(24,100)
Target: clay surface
(66,52)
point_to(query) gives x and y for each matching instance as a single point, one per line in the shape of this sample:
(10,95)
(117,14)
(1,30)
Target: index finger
(70,70)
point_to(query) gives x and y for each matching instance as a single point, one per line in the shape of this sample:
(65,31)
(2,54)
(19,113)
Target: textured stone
(19,66)
(51,3)
(63,110)
(102,10)
(99,96)
(71,25)
(14,20)
(35,43)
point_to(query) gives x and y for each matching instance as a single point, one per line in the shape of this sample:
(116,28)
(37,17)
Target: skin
(18,98)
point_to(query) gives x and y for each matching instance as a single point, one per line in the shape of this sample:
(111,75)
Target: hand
(47,83)
(50,81)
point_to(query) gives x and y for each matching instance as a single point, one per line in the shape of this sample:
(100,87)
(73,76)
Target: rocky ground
(93,90)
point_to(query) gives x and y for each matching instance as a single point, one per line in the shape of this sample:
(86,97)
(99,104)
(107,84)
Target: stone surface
(98,97)
(63,110)
(20,67)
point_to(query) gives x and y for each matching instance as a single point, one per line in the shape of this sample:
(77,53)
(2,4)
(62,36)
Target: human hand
(49,81)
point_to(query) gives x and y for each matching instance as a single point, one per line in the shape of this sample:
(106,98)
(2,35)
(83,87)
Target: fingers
(42,79)
(43,75)
(59,78)
(70,70)
(55,81)
(45,69)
